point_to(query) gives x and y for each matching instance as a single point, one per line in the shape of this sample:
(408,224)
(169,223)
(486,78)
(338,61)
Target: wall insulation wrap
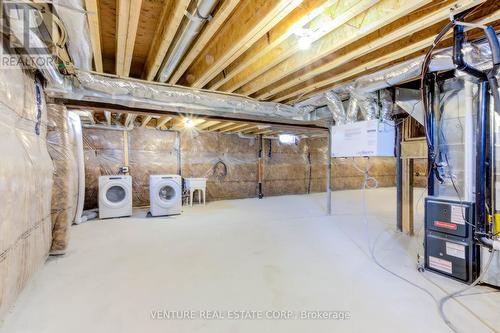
(150,153)
(103,153)
(25,183)
(61,142)
(228,161)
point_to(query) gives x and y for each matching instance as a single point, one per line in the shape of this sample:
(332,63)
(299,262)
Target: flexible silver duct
(336,107)
(387,104)
(193,28)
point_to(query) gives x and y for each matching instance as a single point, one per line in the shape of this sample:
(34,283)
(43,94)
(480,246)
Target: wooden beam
(107,115)
(412,46)
(250,21)
(133,23)
(235,127)
(145,121)
(212,27)
(300,16)
(407,204)
(122,14)
(414,24)
(162,121)
(219,127)
(95,32)
(129,119)
(207,124)
(290,46)
(171,18)
(90,116)
(383,13)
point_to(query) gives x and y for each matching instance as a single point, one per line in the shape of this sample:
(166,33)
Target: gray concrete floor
(276,254)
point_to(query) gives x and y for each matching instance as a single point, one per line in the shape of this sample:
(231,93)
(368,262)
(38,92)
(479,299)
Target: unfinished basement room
(247,166)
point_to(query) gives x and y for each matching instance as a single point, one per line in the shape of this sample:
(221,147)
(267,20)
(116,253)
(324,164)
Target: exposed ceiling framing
(118,119)
(252,47)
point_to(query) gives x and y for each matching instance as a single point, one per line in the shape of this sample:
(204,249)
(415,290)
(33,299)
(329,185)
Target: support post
(329,173)
(399,178)
(125,149)
(260,167)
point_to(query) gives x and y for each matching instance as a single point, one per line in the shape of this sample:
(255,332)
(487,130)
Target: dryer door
(167,193)
(115,194)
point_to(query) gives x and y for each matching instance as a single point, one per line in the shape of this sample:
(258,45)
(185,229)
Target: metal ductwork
(192,29)
(336,107)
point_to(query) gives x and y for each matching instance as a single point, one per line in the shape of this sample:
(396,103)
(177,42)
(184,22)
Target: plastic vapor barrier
(151,152)
(25,183)
(103,153)
(62,149)
(154,96)
(228,161)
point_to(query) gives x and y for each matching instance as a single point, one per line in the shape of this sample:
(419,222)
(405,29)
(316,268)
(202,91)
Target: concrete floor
(275,254)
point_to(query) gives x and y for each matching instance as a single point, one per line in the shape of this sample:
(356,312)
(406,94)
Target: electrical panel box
(450,248)
(363,138)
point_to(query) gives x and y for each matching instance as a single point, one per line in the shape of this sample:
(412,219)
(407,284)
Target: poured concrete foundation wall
(228,161)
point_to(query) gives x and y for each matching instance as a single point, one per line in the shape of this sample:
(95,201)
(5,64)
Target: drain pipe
(193,28)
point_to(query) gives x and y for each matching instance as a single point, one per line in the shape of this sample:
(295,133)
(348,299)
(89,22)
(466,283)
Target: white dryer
(165,194)
(115,196)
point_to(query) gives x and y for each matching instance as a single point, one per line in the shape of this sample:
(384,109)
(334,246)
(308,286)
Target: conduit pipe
(193,28)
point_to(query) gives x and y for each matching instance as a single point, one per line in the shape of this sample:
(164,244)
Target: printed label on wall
(455,250)
(457,214)
(441,264)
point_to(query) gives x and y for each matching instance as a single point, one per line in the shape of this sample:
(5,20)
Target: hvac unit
(115,196)
(363,138)
(165,194)
(450,248)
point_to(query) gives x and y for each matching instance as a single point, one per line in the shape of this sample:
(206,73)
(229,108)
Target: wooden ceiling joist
(95,33)
(250,21)
(207,124)
(235,127)
(299,17)
(401,49)
(290,46)
(383,13)
(160,122)
(129,119)
(107,116)
(409,25)
(215,23)
(171,17)
(219,126)
(145,121)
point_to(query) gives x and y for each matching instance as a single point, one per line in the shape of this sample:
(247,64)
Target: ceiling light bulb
(304,43)
(188,123)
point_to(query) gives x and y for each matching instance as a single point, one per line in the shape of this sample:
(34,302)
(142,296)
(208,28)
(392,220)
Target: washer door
(167,193)
(115,194)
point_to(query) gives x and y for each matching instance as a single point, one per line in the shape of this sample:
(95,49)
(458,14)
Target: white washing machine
(115,196)
(165,194)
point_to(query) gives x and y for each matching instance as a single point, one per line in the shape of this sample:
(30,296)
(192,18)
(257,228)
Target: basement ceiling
(256,47)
